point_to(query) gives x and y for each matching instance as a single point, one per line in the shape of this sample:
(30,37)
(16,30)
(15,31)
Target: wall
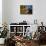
(12,11)
(0,13)
(4,11)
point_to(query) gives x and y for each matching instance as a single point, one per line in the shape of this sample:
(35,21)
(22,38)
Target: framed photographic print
(25,9)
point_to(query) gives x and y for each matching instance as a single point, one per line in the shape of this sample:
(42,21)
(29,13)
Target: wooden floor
(1,45)
(34,44)
(42,45)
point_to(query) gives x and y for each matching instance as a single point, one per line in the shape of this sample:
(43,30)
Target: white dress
(31,30)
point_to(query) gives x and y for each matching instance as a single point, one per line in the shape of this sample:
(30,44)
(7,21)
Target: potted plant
(3,34)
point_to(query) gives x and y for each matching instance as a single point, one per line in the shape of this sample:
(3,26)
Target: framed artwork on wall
(26,9)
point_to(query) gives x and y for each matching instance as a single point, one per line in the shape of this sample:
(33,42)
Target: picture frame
(26,9)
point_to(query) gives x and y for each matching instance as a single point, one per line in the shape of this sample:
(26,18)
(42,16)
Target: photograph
(22,22)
